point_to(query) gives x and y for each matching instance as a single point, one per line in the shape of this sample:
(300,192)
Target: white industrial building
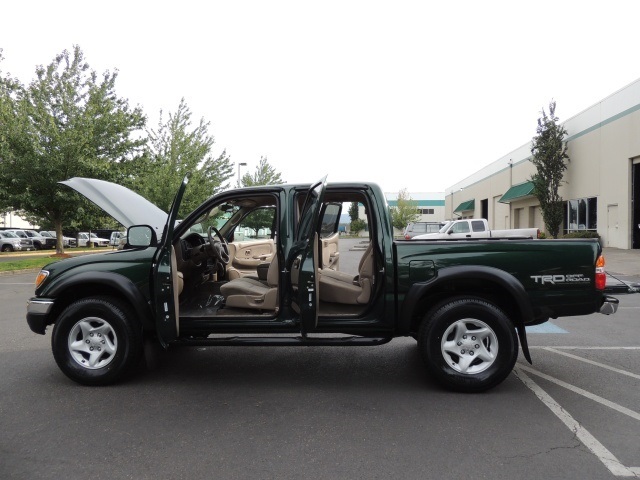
(602,181)
(431,205)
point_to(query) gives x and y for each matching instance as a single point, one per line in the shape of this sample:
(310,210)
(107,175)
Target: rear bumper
(609,305)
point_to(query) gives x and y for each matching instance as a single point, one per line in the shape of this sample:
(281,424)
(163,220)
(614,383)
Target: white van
(114,241)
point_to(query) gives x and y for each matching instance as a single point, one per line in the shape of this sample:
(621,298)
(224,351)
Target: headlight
(41,277)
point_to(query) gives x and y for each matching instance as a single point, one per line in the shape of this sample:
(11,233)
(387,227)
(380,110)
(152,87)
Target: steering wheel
(220,247)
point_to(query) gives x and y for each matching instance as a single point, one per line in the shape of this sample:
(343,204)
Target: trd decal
(557,279)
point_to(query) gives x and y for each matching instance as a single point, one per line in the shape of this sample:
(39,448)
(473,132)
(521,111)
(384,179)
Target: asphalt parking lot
(325,412)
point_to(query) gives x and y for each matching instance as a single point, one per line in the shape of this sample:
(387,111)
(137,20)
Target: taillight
(601,276)
(407,237)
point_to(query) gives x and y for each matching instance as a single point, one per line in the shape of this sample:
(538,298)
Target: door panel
(251,253)
(331,251)
(303,262)
(165,294)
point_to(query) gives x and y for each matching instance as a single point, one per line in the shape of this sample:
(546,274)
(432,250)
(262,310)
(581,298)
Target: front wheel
(7,248)
(95,342)
(468,344)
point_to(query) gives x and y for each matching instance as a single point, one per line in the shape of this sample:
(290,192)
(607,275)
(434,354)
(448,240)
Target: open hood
(125,206)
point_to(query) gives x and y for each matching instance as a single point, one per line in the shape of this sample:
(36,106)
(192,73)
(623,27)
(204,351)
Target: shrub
(581,234)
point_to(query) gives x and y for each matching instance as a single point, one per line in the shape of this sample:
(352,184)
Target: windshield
(217,217)
(47,234)
(238,219)
(444,228)
(9,235)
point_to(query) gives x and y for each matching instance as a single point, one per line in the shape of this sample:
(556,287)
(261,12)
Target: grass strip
(26,263)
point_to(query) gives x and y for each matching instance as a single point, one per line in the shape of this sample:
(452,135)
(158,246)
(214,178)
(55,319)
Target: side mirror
(450,231)
(141,236)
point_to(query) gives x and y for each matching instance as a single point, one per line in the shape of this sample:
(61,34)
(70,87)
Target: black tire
(7,248)
(456,357)
(98,330)
(37,246)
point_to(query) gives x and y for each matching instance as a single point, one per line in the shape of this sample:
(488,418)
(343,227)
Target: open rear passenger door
(303,259)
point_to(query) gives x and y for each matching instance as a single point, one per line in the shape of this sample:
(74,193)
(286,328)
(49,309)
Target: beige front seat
(250,293)
(339,287)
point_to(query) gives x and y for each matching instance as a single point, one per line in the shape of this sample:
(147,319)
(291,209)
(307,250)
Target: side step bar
(294,341)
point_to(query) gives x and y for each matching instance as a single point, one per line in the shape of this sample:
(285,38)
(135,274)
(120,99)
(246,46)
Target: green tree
(405,211)
(354,211)
(178,148)
(357,226)
(264,174)
(67,122)
(549,152)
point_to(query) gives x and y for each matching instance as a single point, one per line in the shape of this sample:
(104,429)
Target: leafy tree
(357,226)
(67,122)
(178,148)
(549,152)
(405,211)
(264,174)
(354,211)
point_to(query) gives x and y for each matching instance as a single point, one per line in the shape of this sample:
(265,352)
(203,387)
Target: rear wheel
(468,344)
(95,341)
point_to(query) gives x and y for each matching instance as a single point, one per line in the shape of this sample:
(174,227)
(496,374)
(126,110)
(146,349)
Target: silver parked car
(66,241)
(10,242)
(420,228)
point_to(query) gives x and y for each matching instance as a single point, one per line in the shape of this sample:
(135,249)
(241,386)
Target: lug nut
(462,352)
(88,341)
(473,338)
(464,336)
(103,343)
(459,343)
(91,334)
(470,352)
(91,348)
(476,345)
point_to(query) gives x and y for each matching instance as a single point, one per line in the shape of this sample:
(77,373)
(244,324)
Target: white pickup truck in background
(476,228)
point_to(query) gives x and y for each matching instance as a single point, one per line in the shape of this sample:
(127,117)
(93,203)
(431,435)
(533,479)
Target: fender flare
(478,272)
(122,284)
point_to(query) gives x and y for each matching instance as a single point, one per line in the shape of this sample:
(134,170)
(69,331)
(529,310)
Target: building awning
(517,192)
(466,206)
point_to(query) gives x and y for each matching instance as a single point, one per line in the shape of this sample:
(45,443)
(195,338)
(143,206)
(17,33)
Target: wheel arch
(92,284)
(489,283)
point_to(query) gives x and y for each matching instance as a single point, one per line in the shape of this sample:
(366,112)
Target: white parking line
(541,347)
(591,362)
(584,393)
(600,451)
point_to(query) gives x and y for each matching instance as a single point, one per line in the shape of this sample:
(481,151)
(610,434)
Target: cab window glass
(477,225)
(330,219)
(461,227)
(256,225)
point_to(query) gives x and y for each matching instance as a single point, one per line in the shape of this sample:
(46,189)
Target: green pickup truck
(262,266)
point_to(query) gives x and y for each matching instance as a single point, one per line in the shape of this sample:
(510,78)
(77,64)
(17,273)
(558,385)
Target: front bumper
(609,305)
(38,314)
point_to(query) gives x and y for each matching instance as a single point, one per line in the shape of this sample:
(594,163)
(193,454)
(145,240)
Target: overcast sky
(408,94)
